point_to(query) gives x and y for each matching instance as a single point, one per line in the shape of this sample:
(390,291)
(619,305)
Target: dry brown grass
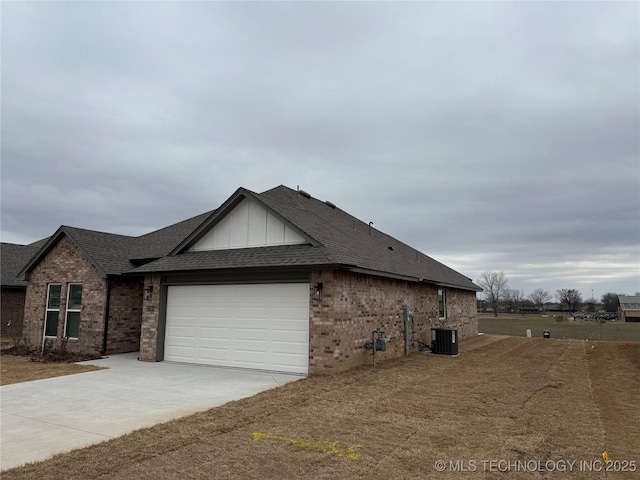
(16,369)
(503,398)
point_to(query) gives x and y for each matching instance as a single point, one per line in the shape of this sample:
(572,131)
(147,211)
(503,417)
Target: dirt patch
(502,399)
(17,369)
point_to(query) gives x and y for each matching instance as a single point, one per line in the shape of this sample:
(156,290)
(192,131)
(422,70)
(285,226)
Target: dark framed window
(52,316)
(74,305)
(442,303)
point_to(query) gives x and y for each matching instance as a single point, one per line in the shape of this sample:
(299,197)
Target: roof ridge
(67,227)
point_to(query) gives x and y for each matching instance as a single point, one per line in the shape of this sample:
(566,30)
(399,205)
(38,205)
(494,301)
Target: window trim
(71,310)
(47,310)
(444,304)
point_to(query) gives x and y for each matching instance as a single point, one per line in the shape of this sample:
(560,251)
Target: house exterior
(13,290)
(629,308)
(274,281)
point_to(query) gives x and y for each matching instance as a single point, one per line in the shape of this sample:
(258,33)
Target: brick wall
(125,316)
(353,305)
(12,311)
(66,264)
(149,330)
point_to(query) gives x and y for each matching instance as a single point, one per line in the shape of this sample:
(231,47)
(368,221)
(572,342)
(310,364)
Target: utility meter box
(444,341)
(381,345)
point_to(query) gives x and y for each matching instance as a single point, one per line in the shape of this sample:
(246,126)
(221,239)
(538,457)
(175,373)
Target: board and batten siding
(247,225)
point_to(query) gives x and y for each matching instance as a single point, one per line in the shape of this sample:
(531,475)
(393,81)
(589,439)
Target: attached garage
(257,326)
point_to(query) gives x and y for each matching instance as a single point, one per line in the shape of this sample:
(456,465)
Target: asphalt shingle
(13,259)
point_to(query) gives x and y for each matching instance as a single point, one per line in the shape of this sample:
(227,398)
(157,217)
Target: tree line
(497,292)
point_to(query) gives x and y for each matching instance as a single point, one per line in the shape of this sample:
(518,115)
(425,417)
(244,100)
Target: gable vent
(304,194)
(332,205)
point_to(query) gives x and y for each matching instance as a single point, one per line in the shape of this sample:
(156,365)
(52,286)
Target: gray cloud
(489,135)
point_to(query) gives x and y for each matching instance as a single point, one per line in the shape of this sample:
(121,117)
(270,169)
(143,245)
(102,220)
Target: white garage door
(262,326)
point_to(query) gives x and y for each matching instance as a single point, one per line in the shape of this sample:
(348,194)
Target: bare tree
(610,302)
(570,298)
(513,299)
(539,297)
(494,285)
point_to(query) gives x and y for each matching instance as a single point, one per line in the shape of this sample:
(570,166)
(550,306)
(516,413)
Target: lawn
(503,399)
(16,369)
(579,330)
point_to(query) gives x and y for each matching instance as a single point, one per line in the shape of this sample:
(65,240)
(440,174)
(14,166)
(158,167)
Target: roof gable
(247,225)
(204,237)
(107,252)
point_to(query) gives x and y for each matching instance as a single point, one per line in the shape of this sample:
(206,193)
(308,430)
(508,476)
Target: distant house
(13,289)
(274,281)
(629,308)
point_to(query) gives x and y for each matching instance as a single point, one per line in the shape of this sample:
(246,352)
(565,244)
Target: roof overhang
(408,278)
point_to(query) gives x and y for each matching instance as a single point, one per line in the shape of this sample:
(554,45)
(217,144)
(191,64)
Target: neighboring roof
(629,302)
(336,238)
(14,257)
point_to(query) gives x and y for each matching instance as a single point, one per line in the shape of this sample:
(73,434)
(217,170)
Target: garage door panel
(291,361)
(184,353)
(286,348)
(212,354)
(221,313)
(249,326)
(290,336)
(214,333)
(289,313)
(185,311)
(182,331)
(250,313)
(255,334)
(248,356)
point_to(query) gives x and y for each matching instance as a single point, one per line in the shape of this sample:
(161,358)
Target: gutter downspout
(106,318)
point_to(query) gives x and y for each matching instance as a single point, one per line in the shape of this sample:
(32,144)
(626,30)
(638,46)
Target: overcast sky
(490,136)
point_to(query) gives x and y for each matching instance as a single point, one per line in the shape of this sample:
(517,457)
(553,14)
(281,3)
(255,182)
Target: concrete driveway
(41,418)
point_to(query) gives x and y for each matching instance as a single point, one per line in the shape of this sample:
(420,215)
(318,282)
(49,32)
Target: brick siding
(125,316)
(354,305)
(12,312)
(66,264)
(149,331)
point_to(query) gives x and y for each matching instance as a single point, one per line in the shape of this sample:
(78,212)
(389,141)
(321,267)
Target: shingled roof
(160,243)
(108,252)
(336,238)
(113,254)
(14,257)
